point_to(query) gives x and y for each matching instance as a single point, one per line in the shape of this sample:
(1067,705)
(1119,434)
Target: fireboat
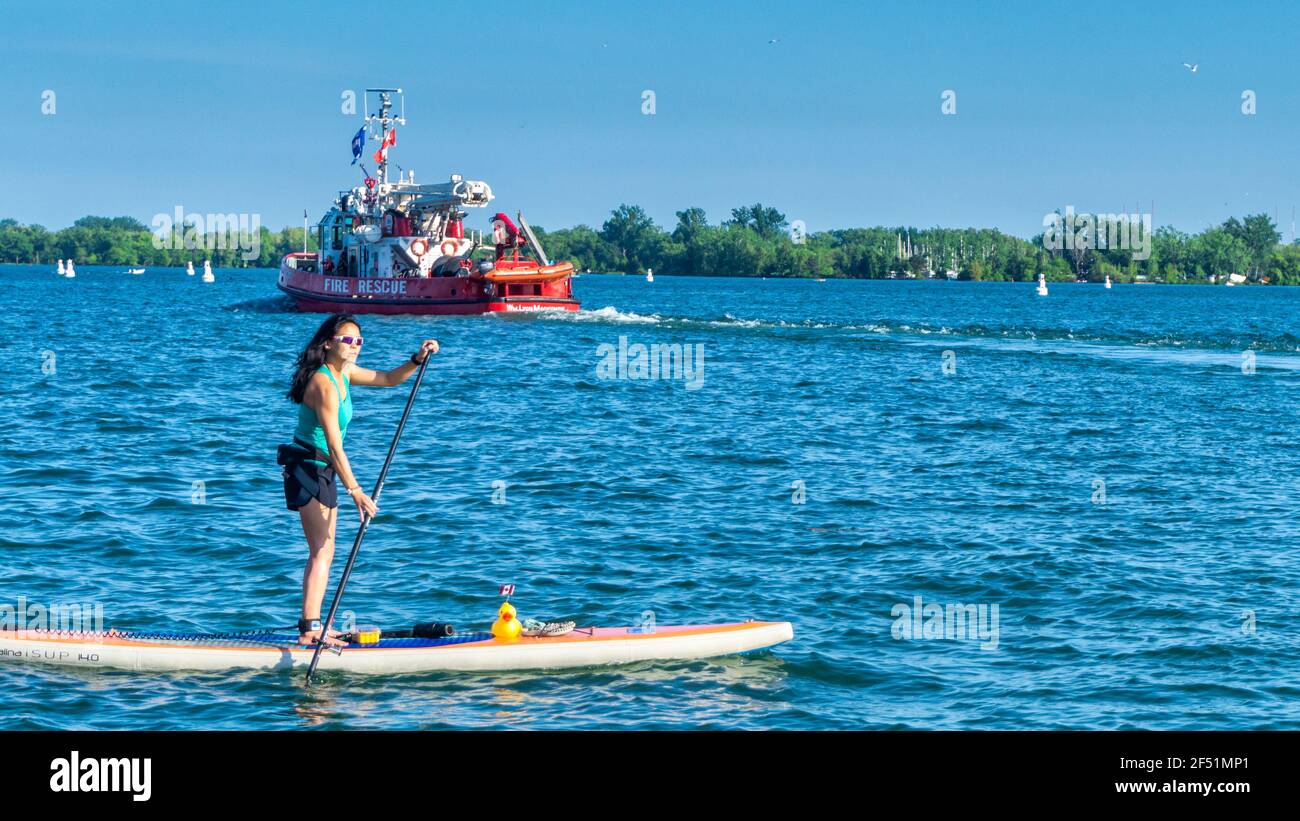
(398,247)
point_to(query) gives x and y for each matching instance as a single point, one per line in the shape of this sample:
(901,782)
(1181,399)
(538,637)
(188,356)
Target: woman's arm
(358,375)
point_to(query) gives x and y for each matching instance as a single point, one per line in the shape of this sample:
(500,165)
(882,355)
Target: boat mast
(385,106)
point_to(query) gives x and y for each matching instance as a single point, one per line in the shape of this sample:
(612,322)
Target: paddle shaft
(365,521)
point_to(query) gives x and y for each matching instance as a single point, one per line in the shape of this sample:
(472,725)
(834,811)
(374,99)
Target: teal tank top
(309,429)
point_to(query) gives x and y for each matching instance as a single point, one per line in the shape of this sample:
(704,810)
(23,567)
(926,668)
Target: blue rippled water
(1114,470)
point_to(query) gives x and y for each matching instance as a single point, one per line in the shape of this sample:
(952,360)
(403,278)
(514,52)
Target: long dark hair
(313,356)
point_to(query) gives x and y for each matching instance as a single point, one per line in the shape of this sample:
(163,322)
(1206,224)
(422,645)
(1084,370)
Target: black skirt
(304,481)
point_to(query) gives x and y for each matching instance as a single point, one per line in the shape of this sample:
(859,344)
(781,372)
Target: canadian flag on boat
(389,139)
(507,590)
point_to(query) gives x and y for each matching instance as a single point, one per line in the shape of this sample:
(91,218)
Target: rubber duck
(507,627)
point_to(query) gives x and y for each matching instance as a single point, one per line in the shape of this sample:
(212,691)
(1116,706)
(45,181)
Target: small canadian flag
(389,139)
(507,590)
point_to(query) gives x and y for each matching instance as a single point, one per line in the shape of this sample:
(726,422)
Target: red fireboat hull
(322,293)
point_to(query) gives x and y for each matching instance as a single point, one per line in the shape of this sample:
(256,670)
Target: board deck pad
(284,640)
(477,651)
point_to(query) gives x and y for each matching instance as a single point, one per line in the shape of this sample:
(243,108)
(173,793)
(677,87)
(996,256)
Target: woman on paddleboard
(322,385)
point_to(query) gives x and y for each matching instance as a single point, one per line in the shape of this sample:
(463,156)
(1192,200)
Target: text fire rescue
(365,285)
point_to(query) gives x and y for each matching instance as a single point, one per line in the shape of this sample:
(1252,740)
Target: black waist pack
(289,454)
(294,453)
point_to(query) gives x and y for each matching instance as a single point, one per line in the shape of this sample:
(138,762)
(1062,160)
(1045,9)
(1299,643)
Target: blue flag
(358,140)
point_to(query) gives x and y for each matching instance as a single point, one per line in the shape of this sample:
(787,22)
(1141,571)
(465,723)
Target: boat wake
(1282,343)
(1139,337)
(264,305)
(608,314)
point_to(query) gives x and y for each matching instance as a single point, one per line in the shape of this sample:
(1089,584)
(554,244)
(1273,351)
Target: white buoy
(62,272)
(650,275)
(1107,280)
(189,267)
(1042,285)
(207,271)
(70,271)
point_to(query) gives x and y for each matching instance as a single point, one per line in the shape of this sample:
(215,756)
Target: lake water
(1113,470)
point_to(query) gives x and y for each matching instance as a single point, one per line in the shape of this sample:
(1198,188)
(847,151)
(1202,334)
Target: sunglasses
(349,340)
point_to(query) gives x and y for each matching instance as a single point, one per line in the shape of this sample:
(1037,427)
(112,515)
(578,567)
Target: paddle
(365,522)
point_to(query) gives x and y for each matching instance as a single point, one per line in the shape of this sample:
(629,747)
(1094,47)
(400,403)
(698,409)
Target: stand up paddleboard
(414,651)
(584,647)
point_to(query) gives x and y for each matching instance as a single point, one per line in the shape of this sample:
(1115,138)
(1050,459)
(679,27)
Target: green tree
(634,235)
(766,222)
(1218,252)
(691,222)
(1259,236)
(1284,266)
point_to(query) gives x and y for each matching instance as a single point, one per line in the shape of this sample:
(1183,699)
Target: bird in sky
(1191,67)
(774,41)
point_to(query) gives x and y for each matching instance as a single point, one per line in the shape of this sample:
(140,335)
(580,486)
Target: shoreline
(757,241)
(809,278)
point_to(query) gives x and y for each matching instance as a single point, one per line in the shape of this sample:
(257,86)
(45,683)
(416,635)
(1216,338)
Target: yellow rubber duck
(507,627)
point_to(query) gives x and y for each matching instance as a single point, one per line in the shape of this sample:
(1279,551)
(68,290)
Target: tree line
(126,241)
(757,241)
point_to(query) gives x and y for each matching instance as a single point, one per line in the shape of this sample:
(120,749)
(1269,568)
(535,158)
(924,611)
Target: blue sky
(235,107)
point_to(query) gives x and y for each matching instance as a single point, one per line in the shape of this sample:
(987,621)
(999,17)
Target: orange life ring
(419,247)
(448,252)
